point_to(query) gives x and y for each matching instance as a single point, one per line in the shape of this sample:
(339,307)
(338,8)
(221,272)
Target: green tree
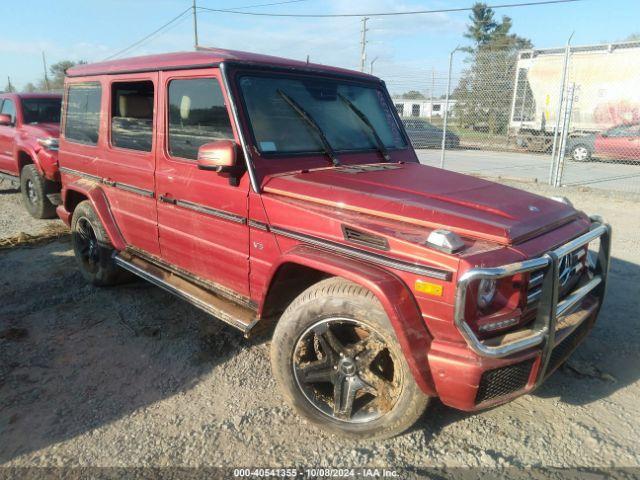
(29,88)
(413,95)
(485,90)
(56,75)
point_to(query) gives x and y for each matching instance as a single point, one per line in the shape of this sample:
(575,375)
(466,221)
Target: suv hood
(427,196)
(43,129)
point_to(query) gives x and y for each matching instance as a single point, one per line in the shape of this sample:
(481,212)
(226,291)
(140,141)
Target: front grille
(562,351)
(503,381)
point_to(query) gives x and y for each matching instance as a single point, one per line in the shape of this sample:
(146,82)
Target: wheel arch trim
(394,296)
(94,193)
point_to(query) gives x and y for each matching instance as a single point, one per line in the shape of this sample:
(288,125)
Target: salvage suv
(29,129)
(274,193)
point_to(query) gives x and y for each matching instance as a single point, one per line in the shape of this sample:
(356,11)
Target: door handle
(167,199)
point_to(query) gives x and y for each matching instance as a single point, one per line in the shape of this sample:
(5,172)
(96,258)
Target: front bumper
(483,373)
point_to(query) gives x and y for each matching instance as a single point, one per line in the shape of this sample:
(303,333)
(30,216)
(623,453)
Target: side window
(132,115)
(82,118)
(197,115)
(8,108)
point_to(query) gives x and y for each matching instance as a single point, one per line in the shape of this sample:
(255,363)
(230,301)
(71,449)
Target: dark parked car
(621,142)
(425,135)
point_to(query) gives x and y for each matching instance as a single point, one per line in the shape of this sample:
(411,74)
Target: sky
(409,51)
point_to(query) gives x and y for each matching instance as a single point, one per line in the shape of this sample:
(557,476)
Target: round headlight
(486,292)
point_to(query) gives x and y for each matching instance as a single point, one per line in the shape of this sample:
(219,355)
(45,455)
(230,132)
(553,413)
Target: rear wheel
(336,357)
(34,190)
(580,153)
(92,248)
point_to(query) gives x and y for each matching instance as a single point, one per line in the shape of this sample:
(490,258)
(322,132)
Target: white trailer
(602,80)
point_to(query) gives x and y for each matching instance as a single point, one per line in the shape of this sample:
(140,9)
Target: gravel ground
(123,377)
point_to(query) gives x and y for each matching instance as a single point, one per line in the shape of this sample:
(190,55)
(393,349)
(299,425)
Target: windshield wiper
(328,149)
(363,118)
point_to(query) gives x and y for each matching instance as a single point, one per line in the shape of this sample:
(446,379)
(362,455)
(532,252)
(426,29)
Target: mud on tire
(34,189)
(92,248)
(333,340)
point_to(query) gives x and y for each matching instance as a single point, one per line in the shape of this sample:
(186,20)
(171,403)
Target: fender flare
(396,299)
(98,199)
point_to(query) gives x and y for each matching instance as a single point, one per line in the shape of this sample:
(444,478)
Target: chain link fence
(565,116)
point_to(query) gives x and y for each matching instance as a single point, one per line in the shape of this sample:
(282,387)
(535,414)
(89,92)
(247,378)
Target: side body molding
(393,294)
(98,199)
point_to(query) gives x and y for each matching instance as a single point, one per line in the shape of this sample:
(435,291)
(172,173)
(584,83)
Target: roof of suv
(29,95)
(198,59)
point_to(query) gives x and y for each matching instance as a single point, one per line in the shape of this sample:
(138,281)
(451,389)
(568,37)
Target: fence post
(446,108)
(563,81)
(565,133)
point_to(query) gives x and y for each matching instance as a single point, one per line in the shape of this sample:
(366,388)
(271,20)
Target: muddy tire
(336,358)
(92,248)
(34,189)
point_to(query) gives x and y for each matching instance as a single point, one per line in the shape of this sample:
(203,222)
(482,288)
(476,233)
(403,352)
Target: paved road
(531,166)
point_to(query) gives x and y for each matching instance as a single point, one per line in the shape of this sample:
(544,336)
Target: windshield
(278,128)
(41,110)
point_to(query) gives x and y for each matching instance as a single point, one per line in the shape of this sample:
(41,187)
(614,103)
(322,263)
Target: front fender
(94,193)
(396,299)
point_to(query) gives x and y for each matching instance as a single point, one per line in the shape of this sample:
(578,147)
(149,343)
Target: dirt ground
(122,377)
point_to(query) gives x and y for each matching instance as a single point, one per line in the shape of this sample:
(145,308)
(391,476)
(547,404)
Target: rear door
(202,217)
(7,134)
(127,162)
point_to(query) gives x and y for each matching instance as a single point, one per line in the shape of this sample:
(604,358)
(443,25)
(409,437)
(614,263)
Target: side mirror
(219,156)
(5,119)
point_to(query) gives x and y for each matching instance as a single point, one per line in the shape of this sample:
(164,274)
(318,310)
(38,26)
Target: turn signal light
(428,288)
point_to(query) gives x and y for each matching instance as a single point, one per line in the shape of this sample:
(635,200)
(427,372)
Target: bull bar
(542,329)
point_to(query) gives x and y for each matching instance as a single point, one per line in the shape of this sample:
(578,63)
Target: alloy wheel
(32,193)
(345,369)
(580,153)
(87,243)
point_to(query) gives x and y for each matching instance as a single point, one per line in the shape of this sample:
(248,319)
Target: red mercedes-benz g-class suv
(267,192)
(29,129)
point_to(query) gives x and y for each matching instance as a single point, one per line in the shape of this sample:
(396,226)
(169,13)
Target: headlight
(486,292)
(50,143)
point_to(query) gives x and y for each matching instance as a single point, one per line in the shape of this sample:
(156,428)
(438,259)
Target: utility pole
(195,26)
(46,77)
(371,65)
(9,86)
(363,44)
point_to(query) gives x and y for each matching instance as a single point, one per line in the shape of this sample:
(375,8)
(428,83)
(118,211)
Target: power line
(381,14)
(266,4)
(133,45)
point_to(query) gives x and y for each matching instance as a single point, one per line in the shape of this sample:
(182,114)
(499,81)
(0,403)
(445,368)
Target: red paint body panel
(21,140)
(234,234)
(395,297)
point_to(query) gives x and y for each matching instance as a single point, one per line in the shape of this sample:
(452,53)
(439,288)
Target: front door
(202,217)
(128,160)
(7,134)
(619,143)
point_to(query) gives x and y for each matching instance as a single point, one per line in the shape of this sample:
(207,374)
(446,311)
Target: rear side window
(8,108)
(132,115)
(82,118)
(197,115)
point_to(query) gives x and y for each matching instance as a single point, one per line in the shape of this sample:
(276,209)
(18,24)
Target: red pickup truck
(29,129)
(285,196)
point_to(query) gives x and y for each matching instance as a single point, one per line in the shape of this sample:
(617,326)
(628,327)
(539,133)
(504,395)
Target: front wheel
(580,153)
(336,357)
(34,189)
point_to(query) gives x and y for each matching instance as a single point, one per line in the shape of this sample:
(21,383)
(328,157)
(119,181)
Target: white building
(421,108)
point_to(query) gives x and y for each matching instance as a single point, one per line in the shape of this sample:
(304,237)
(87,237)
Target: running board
(238,316)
